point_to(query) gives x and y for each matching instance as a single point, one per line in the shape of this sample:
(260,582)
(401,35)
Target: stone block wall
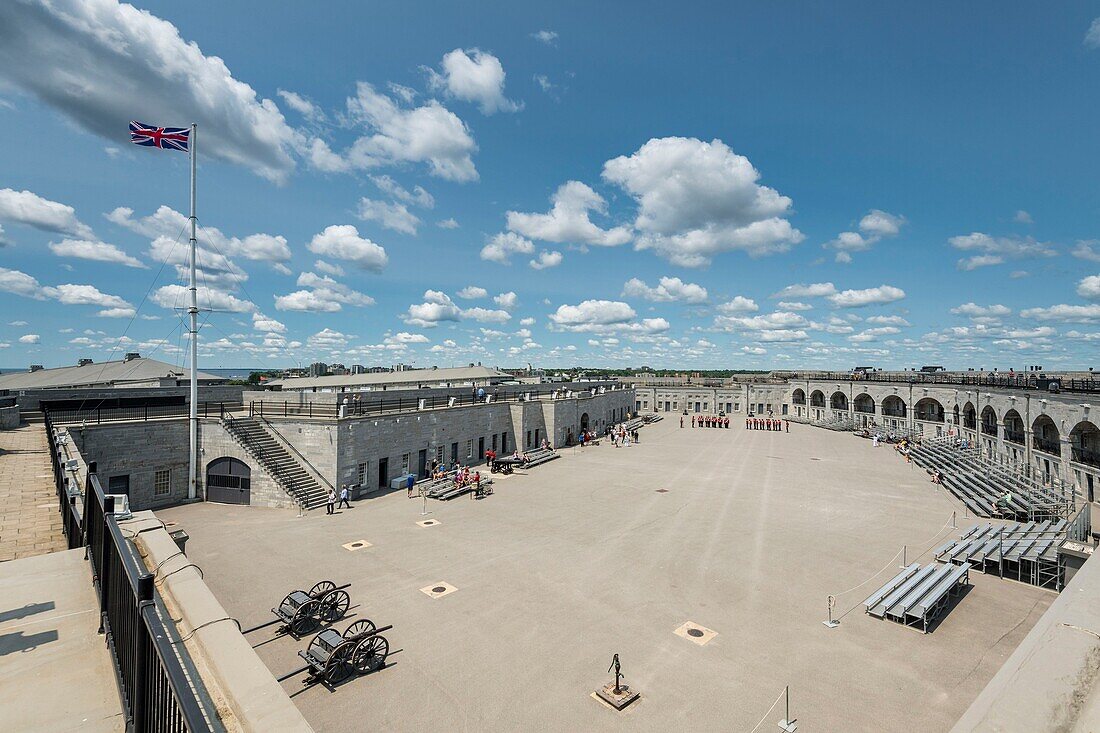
(138,451)
(215,442)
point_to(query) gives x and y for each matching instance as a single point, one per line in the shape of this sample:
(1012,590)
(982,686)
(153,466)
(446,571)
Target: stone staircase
(280,464)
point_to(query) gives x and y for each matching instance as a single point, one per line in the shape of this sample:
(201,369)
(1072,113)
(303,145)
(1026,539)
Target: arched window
(798,397)
(1014,427)
(1085,440)
(817,398)
(864,403)
(929,410)
(989,420)
(893,406)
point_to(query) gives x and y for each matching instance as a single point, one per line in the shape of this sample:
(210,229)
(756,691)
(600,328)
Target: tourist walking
(344,497)
(330,503)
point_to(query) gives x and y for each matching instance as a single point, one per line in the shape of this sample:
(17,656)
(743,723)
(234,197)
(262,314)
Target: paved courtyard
(29,521)
(586,556)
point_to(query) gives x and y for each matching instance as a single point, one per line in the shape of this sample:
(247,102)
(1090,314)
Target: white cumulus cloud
(93,59)
(342,242)
(505,244)
(698,199)
(473,75)
(30,209)
(568,220)
(667,290)
(546,260)
(871,296)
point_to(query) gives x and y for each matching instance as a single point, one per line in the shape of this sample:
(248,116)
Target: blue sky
(710,186)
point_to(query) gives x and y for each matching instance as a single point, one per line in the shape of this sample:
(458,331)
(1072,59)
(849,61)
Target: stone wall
(215,442)
(136,452)
(9,417)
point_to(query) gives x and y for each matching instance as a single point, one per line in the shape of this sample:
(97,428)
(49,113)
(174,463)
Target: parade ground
(742,534)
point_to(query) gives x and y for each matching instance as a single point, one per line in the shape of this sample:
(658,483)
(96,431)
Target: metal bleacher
(918,595)
(1023,551)
(991,489)
(445,488)
(539,456)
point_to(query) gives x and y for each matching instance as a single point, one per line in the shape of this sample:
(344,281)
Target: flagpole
(193,312)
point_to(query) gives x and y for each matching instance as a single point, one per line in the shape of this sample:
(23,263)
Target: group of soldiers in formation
(707,421)
(773,424)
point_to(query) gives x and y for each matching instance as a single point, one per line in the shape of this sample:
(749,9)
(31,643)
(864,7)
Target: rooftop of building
(123,372)
(406,376)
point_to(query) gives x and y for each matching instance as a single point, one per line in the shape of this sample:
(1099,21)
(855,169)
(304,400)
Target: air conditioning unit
(122,506)
(72,464)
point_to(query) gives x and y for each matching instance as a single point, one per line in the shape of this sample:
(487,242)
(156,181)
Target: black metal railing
(71,520)
(970,423)
(893,412)
(370,404)
(1085,455)
(929,416)
(1046,445)
(1014,436)
(866,409)
(989,429)
(96,415)
(978,379)
(155,690)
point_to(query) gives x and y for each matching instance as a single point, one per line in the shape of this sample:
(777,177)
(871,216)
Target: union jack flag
(165,138)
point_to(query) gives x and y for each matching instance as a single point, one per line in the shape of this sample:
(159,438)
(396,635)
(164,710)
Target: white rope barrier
(832,623)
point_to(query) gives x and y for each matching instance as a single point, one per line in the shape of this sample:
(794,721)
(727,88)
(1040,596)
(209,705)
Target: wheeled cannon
(301,612)
(505,465)
(333,657)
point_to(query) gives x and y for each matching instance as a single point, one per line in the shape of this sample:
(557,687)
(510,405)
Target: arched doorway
(584,422)
(1014,427)
(970,416)
(929,410)
(893,406)
(1045,436)
(989,421)
(228,481)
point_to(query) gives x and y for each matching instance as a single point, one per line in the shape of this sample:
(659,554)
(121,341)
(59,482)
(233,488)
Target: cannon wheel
(339,667)
(370,654)
(360,628)
(305,618)
(321,588)
(334,605)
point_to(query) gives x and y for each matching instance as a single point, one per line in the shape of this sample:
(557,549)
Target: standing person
(788,425)
(681,421)
(344,496)
(409,481)
(330,502)
(693,421)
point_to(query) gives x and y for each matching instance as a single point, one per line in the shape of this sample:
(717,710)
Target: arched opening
(1014,427)
(584,422)
(955,414)
(1085,439)
(1045,436)
(970,416)
(929,410)
(839,401)
(228,481)
(893,406)
(798,397)
(864,403)
(817,398)
(989,420)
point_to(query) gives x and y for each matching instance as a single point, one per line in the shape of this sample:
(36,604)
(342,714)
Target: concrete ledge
(245,692)
(1049,683)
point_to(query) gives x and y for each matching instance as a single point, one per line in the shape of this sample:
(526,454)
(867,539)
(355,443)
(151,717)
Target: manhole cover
(695,632)
(438,589)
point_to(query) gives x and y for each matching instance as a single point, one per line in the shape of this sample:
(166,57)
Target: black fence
(96,415)
(156,692)
(977,379)
(387,405)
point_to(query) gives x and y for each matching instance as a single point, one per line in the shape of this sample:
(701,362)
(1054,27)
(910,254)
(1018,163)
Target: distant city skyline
(722,186)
